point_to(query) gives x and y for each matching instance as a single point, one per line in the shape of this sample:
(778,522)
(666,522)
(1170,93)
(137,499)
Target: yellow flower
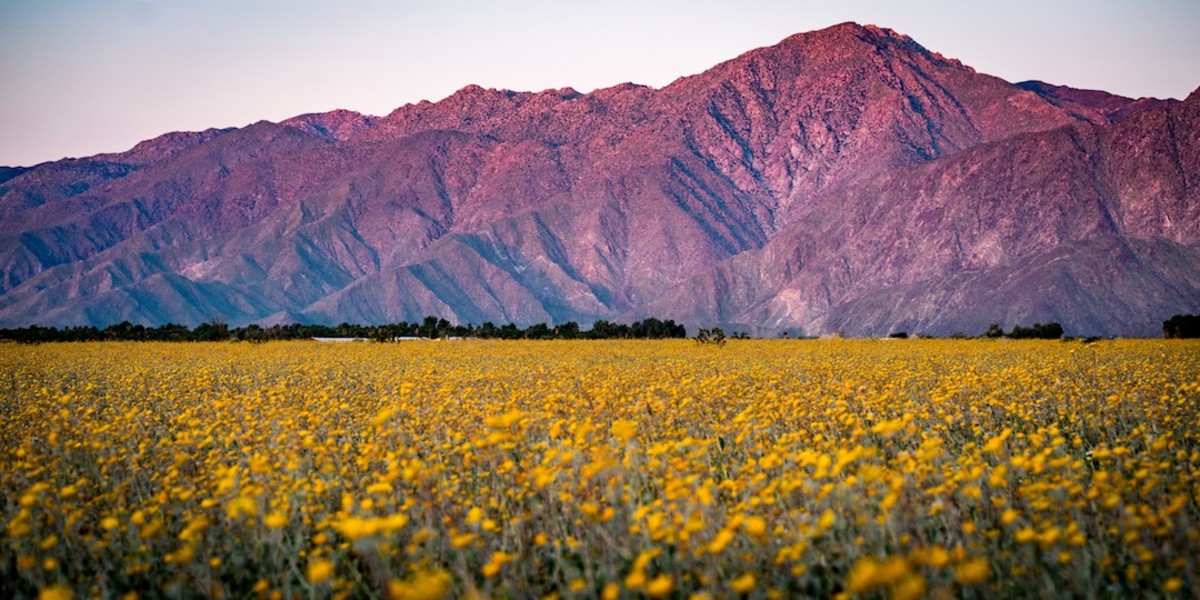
(635,580)
(911,587)
(474,516)
(393,523)
(863,576)
(744,584)
(722,539)
(755,526)
(356,528)
(870,574)
(1049,537)
(624,429)
(996,443)
(498,560)
(972,571)
(56,592)
(241,506)
(275,520)
(421,585)
(937,557)
(379,488)
(319,571)
(889,428)
(660,586)
(462,540)
(828,518)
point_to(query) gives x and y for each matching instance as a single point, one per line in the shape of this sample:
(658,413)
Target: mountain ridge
(560,205)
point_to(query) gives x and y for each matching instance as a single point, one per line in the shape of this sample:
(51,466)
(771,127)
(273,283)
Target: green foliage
(431,327)
(1182,326)
(715,336)
(1049,331)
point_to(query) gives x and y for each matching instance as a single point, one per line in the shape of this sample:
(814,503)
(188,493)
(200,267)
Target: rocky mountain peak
(341,125)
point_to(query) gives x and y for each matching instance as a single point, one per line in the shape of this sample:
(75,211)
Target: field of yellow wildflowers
(898,469)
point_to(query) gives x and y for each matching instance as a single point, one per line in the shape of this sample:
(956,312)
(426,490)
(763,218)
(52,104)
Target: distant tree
(1048,331)
(211,332)
(250,333)
(994,331)
(715,336)
(604,330)
(899,335)
(538,331)
(1182,326)
(429,327)
(567,331)
(654,329)
(126,331)
(384,333)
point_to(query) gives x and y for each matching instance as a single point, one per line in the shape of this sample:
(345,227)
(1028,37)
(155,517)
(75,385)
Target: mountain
(1093,105)
(1094,227)
(7,173)
(846,179)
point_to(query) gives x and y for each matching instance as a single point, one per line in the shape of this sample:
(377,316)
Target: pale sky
(79,77)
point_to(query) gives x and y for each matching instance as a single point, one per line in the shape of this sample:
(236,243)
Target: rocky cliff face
(846,179)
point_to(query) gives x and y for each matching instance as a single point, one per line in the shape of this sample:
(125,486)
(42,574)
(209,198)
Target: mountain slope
(1096,227)
(551,206)
(1093,105)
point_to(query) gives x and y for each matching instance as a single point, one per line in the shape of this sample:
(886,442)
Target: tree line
(1039,331)
(430,327)
(1182,327)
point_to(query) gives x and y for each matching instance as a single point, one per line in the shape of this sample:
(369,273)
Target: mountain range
(843,180)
